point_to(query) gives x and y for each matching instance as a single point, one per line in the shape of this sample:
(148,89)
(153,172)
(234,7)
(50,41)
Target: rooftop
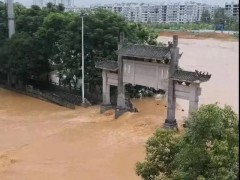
(145,51)
(189,76)
(107,65)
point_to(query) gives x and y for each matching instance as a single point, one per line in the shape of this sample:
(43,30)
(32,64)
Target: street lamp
(83,95)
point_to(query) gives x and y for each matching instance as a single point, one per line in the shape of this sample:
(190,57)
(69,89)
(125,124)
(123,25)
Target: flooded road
(39,140)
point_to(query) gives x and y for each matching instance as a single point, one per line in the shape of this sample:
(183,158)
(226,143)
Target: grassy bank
(187,30)
(205,35)
(180,27)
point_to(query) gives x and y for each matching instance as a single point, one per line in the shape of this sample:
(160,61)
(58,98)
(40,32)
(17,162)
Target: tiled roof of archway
(189,76)
(145,51)
(107,65)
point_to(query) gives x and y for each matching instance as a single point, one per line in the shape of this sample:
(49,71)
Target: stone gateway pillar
(106,89)
(121,87)
(194,98)
(171,122)
(106,104)
(121,103)
(121,90)
(107,67)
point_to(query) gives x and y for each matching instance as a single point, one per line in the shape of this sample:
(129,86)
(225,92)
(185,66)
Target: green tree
(29,20)
(67,61)
(161,149)
(54,8)
(3,23)
(232,23)
(60,7)
(24,58)
(61,47)
(206,18)
(219,16)
(207,150)
(19,8)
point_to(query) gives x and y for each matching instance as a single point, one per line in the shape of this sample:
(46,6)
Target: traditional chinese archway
(155,67)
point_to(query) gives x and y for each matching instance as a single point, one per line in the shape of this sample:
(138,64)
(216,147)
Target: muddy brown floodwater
(219,58)
(39,140)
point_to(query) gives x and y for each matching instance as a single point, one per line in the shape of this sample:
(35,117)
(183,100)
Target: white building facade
(182,12)
(75,9)
(232,9)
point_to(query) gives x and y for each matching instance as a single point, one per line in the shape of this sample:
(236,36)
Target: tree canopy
(3,23)
(207,150)
(206,18)
(49,38)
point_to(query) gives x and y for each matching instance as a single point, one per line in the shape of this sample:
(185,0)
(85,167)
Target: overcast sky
(91,2)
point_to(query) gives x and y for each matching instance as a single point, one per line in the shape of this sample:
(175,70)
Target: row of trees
(208,150)
(50,39)
(220,17)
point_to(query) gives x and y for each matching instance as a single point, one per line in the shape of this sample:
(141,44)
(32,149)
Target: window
(182,7)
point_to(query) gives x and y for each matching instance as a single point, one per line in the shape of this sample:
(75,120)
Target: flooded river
(39,140)
(219,58)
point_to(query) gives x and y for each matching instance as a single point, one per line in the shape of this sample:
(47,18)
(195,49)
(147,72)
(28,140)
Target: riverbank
(200,35)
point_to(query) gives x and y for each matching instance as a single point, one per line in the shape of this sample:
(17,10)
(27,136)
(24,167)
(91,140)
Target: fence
(72,95)
(47,96)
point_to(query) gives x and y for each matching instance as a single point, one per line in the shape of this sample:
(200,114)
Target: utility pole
(11,30)
(11,18)
(83,95)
